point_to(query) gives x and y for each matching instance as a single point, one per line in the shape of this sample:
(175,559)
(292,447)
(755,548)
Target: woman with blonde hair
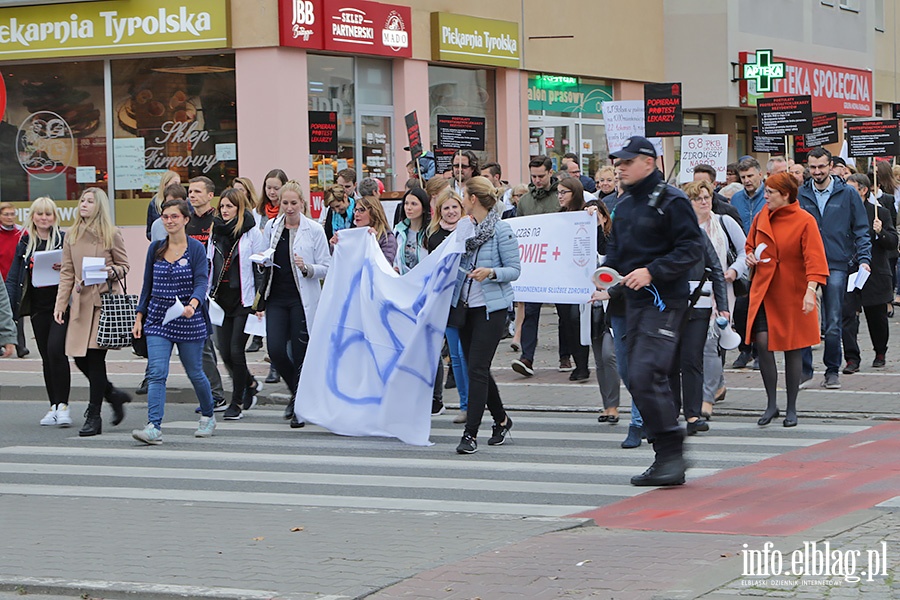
(368,212)
(93,235)
(482,295)
(154,209)
(291,287)
(233,283)
(43,234)
(448,211)
(245,185)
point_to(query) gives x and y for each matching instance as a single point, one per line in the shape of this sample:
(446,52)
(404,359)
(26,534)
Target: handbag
(741,285)
(117,314)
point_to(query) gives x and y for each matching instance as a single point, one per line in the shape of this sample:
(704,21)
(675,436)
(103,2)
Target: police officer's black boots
(669,466)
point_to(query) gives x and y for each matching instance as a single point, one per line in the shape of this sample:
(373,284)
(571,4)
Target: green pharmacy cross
(764,71)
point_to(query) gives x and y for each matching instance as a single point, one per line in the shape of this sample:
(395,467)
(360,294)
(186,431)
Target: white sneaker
(50,417)
(206,427)
(63,418)
(149,435)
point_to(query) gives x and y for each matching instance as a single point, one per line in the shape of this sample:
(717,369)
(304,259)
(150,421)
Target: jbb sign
(355,26)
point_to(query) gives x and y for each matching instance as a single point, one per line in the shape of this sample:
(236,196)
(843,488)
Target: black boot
(451,380)
(273,376)
(93,424)
(142,389)
(289,410)
(117,399)
(669,466)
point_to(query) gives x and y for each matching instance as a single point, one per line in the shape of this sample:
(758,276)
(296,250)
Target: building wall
(703,38)
(887,55)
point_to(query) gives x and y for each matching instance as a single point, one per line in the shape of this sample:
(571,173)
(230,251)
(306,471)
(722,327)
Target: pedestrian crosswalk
(555,464)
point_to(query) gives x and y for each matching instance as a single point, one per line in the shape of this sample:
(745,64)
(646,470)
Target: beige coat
(84,318)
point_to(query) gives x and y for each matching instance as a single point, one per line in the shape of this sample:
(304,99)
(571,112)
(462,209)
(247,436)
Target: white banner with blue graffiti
(376,341)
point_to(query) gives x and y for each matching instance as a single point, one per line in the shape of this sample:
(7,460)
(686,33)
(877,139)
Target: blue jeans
(620,328)
(832,304)
(459,366)
(159,350)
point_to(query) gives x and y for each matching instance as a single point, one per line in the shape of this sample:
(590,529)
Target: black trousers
(480,335)
(93,365)
(570,336)
(876,320)
(686,376)
(286,324)
(232,342)
(652,346)
(530,324)
(50,337)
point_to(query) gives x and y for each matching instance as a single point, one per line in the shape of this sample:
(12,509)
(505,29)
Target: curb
(138,591)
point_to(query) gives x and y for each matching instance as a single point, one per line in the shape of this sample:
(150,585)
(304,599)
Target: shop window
(699,123)
(464,92)
(180,114)
(53,137)
(360,92)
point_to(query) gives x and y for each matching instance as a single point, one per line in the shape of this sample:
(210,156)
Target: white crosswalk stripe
(555,465)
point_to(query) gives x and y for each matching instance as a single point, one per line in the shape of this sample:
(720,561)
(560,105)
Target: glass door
(594,152)
(552,137)
(376,158)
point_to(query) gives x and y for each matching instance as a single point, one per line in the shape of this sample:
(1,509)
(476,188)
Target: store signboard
(111,27)
(355,26)
(841,90)
(463,39)
(564,93)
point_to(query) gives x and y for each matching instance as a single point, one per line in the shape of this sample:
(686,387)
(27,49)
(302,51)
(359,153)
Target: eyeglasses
(517,195)
(172,217)
(359,209)
(562,192)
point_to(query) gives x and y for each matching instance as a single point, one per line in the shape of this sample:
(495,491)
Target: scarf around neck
(272,210)
(483,232)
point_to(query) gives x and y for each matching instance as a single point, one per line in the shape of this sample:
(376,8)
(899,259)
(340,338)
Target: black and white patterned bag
(117,313)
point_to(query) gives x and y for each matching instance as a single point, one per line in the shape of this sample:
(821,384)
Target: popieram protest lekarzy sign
(624,119)
(558,254)
(376,340)
(703,150)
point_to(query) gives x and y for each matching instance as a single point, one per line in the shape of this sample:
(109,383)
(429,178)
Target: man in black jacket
(655,242)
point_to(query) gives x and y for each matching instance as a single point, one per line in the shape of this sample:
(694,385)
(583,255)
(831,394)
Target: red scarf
(272,210)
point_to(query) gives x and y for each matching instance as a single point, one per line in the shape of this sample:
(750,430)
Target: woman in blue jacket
(482,296)
(176,271)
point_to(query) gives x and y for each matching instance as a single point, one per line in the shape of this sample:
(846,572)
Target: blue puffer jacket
(501,253)
(844,226)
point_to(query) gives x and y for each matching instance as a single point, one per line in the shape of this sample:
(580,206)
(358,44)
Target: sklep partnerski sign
(354,26)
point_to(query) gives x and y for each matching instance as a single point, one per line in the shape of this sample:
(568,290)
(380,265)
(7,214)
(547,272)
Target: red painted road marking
(782,495)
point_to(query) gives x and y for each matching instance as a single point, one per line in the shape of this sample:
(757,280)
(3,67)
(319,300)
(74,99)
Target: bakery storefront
(76,117)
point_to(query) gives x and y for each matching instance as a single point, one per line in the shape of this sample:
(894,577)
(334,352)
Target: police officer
(655,241)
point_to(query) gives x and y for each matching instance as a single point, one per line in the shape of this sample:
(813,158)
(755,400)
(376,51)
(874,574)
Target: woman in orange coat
(788,270)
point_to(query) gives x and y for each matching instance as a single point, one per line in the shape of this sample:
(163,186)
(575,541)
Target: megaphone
(729,339)
(606,277)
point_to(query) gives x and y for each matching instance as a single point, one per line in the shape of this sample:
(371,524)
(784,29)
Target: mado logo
(394,34)
(45,145)
(303,14)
